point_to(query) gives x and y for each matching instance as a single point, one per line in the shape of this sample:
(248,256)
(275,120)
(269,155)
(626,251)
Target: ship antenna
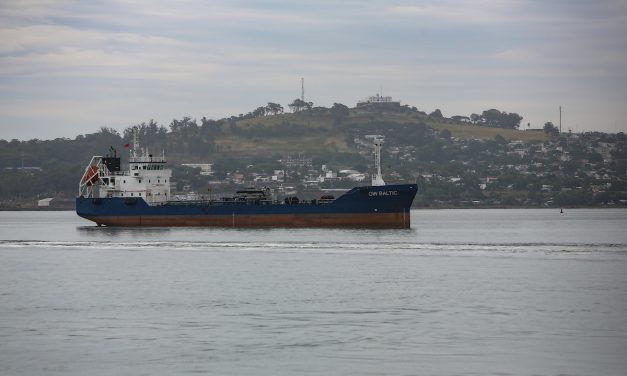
(378,179)
(302,89)
(135,145)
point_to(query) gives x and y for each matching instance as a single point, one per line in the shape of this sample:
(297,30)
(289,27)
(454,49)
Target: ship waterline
(370,221)
(361,207)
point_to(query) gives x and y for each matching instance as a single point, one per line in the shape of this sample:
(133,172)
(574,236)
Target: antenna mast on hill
(560,119)
(302,89)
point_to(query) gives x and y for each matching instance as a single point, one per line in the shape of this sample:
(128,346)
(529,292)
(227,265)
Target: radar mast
(377,140)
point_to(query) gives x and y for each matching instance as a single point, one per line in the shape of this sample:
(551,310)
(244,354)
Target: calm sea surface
(463,292)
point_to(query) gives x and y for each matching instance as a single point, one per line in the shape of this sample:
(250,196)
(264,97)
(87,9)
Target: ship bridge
(146,177)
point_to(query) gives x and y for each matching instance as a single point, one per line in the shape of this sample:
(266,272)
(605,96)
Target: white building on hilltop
(378,101)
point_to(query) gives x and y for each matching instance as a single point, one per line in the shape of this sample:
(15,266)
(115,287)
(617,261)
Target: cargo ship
(140,196)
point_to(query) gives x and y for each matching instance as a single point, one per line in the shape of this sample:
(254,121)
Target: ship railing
(120,173)
(231,202)
(147,159)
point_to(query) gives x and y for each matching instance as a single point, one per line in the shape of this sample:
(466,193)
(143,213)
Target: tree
(109,131)
(595,157)
(511,120)
(550,129)
(436,114)
(274,108)
(178,125)
(259,111)
(151,134)
(299,105)
(211,126)
(339,112)
(497,119)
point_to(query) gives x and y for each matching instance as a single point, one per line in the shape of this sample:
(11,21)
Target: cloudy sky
(70,67)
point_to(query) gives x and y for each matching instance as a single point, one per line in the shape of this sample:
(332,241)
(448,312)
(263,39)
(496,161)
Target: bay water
(463,292)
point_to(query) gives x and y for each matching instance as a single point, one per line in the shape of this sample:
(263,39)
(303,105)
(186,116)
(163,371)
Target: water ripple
(383,247)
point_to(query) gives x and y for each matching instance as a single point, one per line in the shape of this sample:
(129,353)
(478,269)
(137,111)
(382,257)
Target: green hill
(315,130)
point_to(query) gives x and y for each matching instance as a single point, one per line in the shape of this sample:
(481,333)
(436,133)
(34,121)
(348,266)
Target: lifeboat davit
(91,175)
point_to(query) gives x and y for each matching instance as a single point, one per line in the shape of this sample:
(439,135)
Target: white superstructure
(146,177)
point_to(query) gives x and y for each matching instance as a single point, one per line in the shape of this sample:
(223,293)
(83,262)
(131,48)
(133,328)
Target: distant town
(573,170)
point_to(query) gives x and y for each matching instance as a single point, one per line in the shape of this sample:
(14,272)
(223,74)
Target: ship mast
(377,180)
(135,145)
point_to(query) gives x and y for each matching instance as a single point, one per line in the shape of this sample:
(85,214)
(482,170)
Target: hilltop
(318,129)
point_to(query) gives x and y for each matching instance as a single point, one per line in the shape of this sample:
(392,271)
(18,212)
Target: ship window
(140,194)
(131,194)
(124,181)
(140,180)
(159,181)
(148,180)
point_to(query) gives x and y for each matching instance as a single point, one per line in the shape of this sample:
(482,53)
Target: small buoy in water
(561,211)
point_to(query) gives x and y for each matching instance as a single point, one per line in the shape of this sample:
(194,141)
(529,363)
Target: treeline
(489,118)
(62,160)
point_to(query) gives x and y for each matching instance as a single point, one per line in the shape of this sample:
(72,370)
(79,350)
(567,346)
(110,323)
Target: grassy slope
(328,136)
(295,144)
(475,132)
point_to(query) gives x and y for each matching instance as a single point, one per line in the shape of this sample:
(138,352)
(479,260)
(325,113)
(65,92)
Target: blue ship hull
(362,207)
